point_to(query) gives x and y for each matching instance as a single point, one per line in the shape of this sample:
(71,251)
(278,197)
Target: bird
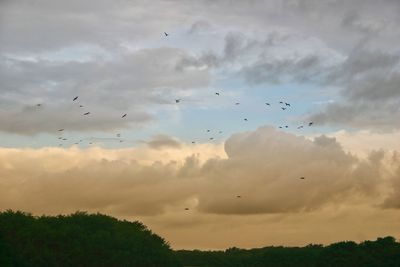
(87,113)
(310,123)
(217,93)
(186,208)
(60,138)
(220,132)
(268,104)
(302,178)
(80,106)
(238,196)
(75,98)
(245,119)
(118,135)
(193,142)
(280,102)
(65,139)
(287,104)
(38,105)
(211,138)
(177,100)
(286,126)
(237,103)
(123,116)
(283,108)
(301,126)
(208,131)
(166,34)
(60,130)
(280,127)
(121,141)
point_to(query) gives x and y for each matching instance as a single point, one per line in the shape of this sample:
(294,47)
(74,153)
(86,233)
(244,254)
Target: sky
(179,166)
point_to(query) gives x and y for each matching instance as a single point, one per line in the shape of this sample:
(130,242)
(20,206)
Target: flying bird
(220,132)
(208,131)
(283,108)
(61,130)
(193,142)
(287,104)
(217,93)
(310,123)
(80,106)
(238,196)
(245,119)
(38,105)
(302,178)
(75,98)
(268,104)
(280,102)
(118,135)
(177,100)
(301,126)
(280,127)
(123,116)
(87,113)
(186,208)
(237,103)
(211,138)
(286,126)
(166,34)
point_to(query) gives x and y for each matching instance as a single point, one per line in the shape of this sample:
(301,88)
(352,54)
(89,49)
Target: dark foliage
(384,252)
(79,239)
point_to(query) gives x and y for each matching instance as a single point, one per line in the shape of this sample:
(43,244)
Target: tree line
(383,252)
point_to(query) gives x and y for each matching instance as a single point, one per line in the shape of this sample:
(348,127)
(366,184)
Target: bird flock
(282,105)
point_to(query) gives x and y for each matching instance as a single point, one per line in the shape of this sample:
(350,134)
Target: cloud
(263,166)
(107,89)
(163,141)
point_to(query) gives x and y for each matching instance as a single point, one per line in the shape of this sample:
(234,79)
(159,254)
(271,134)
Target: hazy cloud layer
(263,167)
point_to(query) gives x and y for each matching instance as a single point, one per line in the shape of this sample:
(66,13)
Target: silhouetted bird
(211,138)
(177,100)
(123,116)
(286,126)
(280,102)
(208,131)
(118,135)
(302,178)
(310,123)
(220,132)
(193,142)
(217,93)
(65,139)
(237,103)
(280,127)
(301,126)
(80,106)
(61,130)
(283,108)
(238,196)
(245,119)
(186,208)
(166,34)
(75,98)
(87,113)
(38,105)
(287,104)
(268,104)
